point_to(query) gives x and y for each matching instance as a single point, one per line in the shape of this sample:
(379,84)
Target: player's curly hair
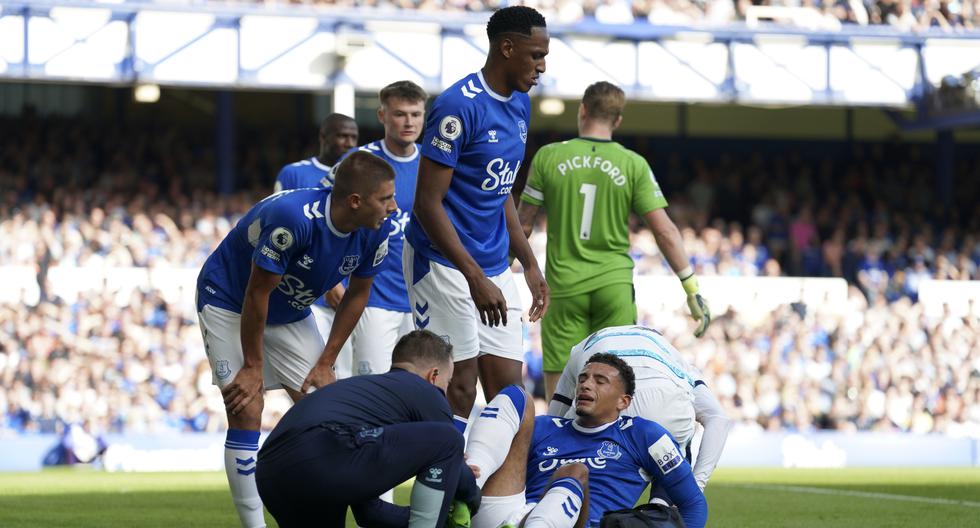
(514,19)
(616,362)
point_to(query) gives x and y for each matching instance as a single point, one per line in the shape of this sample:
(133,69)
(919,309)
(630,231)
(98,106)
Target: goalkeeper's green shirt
(588,188)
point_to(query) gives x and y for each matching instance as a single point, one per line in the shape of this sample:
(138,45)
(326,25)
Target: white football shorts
(669,404)
(374,339)
(324,321)
(441,303)
(291,350)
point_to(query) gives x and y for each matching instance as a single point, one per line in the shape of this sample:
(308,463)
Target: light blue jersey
(644,349)
(481,135)
(290,234)
(622,457)
(304,174)
(388,290)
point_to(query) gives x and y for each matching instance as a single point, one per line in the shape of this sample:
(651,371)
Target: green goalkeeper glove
(695,302)
(459,515)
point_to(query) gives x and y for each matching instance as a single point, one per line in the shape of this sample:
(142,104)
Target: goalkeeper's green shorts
(571,319)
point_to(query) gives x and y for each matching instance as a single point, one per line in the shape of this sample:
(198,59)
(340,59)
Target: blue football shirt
(304,174)
(290,234)
(622,457)
(388,290)
(481,135)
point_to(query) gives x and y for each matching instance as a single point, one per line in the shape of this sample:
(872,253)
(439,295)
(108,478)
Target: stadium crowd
(904,15)
(135,363)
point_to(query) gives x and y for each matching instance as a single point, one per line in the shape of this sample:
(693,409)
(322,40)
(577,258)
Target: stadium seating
(129,359)
(904,15)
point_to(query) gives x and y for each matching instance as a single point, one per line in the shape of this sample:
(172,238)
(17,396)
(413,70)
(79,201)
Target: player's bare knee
(579,472)
(249,418)
(462,392)
(527,419)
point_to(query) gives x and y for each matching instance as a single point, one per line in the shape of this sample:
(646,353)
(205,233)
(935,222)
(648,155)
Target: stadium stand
(133,362)
(906,15)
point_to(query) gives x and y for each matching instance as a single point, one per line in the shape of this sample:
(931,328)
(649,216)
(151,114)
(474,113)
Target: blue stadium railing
(302,48)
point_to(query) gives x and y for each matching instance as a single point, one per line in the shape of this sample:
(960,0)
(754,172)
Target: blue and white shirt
(646,350)
(304,174)
(388,290)
(290,234)
(622,456)
(481,135)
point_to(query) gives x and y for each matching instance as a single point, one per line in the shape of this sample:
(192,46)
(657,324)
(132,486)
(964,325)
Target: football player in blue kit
(554,468)
(338,134)
(464,223)
(254,295)
(388,316)
(669,390)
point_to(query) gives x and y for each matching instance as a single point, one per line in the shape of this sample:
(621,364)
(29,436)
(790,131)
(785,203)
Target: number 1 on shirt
(588,190)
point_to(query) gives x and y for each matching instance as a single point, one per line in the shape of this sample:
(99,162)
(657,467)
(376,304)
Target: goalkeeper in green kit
(588,187)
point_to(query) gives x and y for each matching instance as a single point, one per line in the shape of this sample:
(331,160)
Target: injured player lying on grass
(558,472)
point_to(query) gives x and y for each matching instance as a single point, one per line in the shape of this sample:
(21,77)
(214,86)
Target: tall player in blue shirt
(553,468)
(464,221)
(254,295)
(388,316)
(338,134)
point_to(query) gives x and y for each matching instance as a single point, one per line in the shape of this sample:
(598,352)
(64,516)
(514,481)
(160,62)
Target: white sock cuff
(560,506)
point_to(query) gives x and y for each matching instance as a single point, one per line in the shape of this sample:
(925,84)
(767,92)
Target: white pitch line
(862,494)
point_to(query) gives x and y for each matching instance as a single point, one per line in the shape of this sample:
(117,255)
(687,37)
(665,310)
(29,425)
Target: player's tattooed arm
(432,185)
(255,308)
(527,213)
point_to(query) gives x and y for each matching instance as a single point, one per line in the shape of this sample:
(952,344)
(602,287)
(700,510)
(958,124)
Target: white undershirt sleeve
(709,413)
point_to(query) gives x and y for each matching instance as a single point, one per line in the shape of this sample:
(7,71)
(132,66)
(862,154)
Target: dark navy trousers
(309,479)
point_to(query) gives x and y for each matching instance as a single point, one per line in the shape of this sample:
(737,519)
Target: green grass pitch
(865,498)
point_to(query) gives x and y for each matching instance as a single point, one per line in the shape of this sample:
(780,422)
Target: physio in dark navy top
(350,441)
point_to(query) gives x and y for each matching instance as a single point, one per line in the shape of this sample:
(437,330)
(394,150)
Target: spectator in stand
(132,361)
(827,15)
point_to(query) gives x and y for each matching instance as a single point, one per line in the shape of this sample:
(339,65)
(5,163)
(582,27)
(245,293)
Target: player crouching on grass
(350,441)
(559,472)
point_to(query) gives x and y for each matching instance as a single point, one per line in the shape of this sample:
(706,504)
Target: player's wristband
(688,280)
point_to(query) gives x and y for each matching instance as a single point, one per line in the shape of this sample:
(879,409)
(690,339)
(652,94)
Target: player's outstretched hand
(540,294)
(320,376)
(489,301)
(239,393)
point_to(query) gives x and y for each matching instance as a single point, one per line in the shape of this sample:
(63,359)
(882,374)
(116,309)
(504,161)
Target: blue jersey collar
(333,228)
(490,92)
